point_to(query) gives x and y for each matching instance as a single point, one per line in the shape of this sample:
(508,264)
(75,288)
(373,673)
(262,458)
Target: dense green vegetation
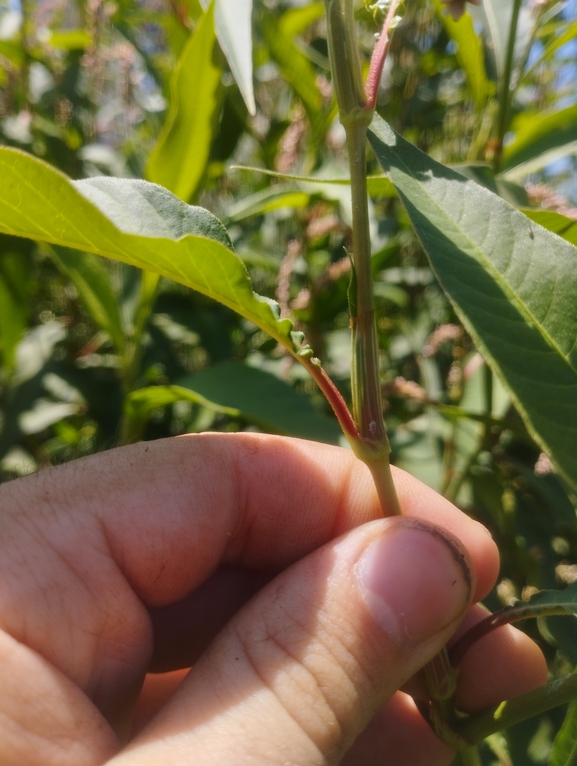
(234,111)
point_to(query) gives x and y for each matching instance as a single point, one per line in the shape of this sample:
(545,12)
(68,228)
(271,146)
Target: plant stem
(371,444)
(479,726)
(367,405)
(505,90)
(505,616)
(131,430)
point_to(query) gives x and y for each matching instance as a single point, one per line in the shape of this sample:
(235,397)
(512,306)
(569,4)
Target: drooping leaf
(564,752)
(135,222)
(495,16)
(242,391)
(469,53)
(233,25)
(540,138)
(233,20)
(179,159)
(512,283)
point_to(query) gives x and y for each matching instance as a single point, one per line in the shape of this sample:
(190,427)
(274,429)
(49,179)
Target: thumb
(301,669)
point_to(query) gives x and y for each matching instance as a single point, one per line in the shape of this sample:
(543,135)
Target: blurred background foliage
(92,356)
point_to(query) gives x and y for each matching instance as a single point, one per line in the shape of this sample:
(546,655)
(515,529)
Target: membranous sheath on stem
(356,114)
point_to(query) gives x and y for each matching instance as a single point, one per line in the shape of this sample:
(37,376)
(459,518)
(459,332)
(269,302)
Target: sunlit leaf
(377,186)
(295,20)
(540,138)
(564,752)
(70,39)
(179,159)
(234,31)
(495,16)
(135,222)
(512,283)
(469,53)
(233,25)
(272,198)
(556,222)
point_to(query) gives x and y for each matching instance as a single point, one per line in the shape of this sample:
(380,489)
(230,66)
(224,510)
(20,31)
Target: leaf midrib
(488,265)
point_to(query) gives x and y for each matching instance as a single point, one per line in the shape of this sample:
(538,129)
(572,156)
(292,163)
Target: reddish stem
(492,622)
(378,59)
(333,396)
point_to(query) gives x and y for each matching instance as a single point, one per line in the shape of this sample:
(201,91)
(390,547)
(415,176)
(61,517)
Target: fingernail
(415,580)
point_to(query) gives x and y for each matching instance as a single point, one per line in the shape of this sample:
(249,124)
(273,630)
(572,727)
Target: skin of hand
(265,563)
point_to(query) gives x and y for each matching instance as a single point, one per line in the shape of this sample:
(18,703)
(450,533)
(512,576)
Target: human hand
(136,558)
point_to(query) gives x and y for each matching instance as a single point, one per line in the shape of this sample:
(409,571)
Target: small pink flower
(456,8)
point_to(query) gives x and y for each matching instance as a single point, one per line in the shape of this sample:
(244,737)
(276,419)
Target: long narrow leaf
(564,752)
(539,135)
(469,53)
(179,159)
(513,284)
(233,20)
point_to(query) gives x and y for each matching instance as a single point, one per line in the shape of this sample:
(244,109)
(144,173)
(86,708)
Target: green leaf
(179,159)
(233,20)
(561,225)
(293,22)
(377,186)
(295,68)
(539,139)
(512,283)
(470,54)
(15,284)
(564,752)
(70,39)
(243,391)
(94,287)
(544,603)
(496,15)
(135,222)
(12,51)
(271,198)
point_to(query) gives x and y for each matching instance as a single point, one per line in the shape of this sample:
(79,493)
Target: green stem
(505,90)
(479,726)
(130,429)
(371,444)
(367,405)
